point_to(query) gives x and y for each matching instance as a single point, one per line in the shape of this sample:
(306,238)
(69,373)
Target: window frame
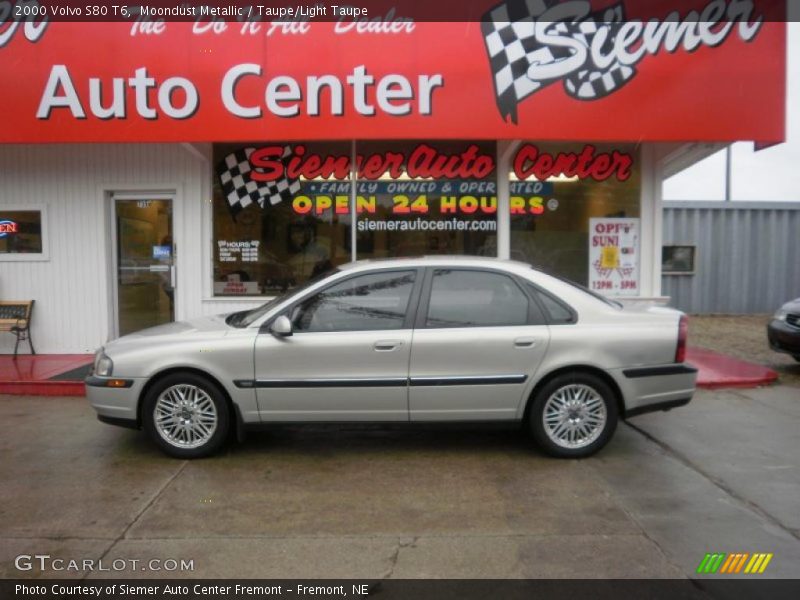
(535,317)
(42,256)
(408,320)
(693,270)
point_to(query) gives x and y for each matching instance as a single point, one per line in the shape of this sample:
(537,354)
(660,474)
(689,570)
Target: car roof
(434,260)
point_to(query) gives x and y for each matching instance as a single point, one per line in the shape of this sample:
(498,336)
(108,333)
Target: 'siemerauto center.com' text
(420,224)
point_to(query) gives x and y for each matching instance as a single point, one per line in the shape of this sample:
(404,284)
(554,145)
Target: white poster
(614,256)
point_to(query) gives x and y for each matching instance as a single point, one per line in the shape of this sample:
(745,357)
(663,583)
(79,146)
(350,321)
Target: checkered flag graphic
(241,191)
(509,33)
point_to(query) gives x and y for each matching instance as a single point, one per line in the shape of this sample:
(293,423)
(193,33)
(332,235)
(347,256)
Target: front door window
(371,302)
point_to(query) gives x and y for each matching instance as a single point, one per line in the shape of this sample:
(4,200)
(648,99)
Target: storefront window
(432,198)
(557,191)
(20,233)
(279,217)
(282,211)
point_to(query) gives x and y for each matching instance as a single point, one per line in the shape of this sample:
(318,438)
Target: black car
(784,329)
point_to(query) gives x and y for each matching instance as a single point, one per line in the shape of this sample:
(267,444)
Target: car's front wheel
(186,415)
(573,415)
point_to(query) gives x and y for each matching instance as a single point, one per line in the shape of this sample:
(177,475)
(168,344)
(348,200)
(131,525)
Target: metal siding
(748,256)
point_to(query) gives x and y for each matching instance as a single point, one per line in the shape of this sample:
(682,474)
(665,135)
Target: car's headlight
(102,364)
(780,314)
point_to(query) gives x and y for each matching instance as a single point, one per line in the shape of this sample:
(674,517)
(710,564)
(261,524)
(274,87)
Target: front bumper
(783,337)
(655,388)
(114,404)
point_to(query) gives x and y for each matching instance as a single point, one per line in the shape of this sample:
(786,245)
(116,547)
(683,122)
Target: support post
(505,149)
(353,186)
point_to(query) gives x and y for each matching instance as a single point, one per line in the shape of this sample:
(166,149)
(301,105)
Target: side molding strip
(381,381)
(659,371)
(322,383)
(469,380)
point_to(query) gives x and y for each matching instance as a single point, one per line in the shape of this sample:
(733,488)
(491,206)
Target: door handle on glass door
(525,342)
(387,345)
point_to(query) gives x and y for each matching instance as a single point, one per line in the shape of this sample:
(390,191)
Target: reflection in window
(462,298)
(264,243)
(417,216)
(282,210)
(366,303)
(677,260)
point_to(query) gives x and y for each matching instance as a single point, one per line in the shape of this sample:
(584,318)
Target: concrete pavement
(720,475)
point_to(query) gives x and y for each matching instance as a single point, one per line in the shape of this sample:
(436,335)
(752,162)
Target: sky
(768,175)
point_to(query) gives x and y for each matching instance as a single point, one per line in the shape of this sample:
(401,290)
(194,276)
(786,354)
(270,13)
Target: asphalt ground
(720,475)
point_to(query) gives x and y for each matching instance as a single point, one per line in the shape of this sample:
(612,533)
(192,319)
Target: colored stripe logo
(734,563)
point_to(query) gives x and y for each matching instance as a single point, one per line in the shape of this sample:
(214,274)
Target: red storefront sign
(271,163)
(572,71)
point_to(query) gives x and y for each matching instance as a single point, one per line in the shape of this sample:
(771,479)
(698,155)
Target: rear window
(557,312)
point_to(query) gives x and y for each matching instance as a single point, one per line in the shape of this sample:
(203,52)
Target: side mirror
(281,327)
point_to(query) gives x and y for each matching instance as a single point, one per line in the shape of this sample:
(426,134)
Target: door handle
(387,345)
(525,342)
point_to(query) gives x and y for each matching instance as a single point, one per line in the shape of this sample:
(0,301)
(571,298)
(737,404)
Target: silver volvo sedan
(411,340)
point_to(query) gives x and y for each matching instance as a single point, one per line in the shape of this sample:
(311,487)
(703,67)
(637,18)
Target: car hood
(793,306)
(212,326)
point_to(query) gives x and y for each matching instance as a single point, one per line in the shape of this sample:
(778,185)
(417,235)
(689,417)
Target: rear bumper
(655,388)
(783,337)
(657,407)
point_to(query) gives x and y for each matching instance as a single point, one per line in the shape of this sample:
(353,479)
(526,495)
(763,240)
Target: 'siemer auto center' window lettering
(370,302)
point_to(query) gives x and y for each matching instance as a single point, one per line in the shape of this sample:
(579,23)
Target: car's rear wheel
(573,415)
(186,415)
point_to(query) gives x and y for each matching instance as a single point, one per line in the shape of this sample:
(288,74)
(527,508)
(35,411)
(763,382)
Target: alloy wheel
(574,416)
(185,416)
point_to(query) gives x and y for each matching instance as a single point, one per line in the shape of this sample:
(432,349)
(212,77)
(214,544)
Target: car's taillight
(683,333)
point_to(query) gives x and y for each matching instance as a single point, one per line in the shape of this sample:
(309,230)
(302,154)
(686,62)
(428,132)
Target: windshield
(245,318)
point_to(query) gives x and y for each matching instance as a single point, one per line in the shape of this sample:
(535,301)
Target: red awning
(523,73)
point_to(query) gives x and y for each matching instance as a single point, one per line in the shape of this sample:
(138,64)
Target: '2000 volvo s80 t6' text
(407,340)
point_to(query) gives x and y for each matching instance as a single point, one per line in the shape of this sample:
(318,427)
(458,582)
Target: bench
(15,317)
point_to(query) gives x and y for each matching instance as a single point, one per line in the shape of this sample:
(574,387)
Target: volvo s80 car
(402,341)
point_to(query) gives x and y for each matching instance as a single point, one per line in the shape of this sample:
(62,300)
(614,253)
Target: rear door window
(471,298)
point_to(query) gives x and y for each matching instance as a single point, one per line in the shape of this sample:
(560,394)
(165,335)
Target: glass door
(145,287)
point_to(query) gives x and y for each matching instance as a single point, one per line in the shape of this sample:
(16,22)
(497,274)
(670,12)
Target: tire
(796,357)
(589,396)
(194,430)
